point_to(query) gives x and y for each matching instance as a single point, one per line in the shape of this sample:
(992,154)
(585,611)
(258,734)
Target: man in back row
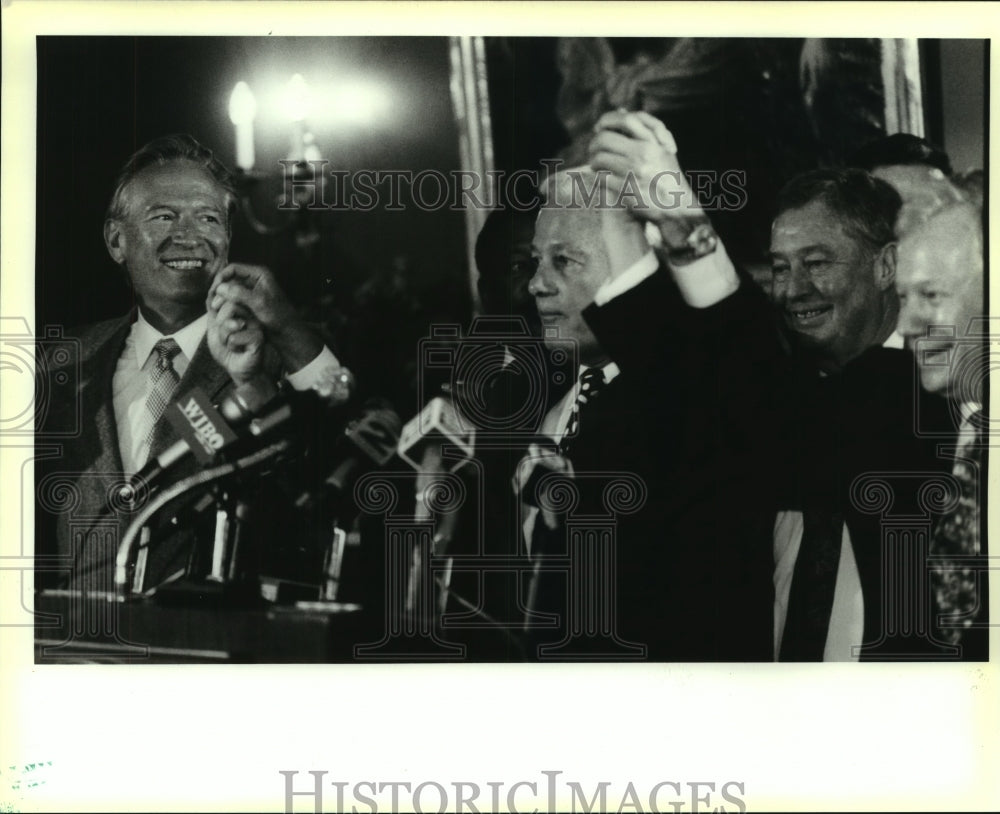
(848,407)
(942,317)
(862,422)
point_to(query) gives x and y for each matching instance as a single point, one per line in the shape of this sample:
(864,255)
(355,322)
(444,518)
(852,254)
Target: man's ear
(885,267)
(114,240)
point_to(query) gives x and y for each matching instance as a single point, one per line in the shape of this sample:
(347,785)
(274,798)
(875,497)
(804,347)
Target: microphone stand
(333,560)
(125,559)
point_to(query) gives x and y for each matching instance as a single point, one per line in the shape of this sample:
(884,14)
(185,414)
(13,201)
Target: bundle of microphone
(277,469)
(266,480)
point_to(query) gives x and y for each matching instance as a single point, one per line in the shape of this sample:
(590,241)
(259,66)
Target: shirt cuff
(312,374)
(642,268)
(708,280)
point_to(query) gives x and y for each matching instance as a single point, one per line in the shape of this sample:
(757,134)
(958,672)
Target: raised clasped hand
(639,156)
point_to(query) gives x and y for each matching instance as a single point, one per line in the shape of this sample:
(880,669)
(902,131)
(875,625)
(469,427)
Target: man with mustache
(168,226)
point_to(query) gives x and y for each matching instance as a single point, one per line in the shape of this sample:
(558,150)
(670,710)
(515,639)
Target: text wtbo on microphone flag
(200,425)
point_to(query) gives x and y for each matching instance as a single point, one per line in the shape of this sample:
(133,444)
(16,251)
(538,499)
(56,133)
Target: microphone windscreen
(376,433)
(247,400)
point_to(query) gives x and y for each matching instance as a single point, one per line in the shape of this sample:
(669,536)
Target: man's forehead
(565,226)
(925,255)
(914,180)
(174,178)
(813,223)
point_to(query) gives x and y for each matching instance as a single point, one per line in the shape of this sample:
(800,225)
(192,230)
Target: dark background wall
(380,278)
(768,107)
(99,98)
(963,80)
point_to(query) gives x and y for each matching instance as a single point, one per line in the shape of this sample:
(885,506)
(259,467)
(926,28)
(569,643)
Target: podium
(75,629)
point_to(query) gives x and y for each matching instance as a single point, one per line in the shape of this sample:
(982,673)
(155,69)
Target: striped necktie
(591,384)
(163,381)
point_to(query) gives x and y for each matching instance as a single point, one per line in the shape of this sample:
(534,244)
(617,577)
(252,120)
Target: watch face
(334,383)
(702,240)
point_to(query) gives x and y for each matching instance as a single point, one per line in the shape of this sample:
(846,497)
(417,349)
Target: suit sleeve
(706,380)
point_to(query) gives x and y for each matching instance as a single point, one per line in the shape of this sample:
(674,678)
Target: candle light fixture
(242,111)
(296,102)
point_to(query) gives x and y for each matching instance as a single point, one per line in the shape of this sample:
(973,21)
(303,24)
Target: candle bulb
(297,101)
(244,146)
(297,98)
(242,110)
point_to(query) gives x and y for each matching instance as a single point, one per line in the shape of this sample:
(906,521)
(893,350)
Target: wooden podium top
(73,629)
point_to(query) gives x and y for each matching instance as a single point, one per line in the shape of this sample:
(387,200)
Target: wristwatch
(693,238)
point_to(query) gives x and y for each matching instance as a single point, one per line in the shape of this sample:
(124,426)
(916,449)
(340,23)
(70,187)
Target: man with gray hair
(168,227)
(665,352)
(940,282)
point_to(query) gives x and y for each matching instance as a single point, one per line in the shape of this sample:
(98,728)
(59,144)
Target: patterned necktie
(163,380)
(591,384)
(955,542)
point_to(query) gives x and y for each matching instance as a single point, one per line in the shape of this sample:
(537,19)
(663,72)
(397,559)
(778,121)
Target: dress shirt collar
(895,340)
(146,336)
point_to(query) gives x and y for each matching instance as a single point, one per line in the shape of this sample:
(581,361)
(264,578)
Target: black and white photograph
(375,390)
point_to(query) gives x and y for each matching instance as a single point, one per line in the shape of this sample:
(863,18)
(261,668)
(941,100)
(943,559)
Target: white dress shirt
(847,616)
(132,382)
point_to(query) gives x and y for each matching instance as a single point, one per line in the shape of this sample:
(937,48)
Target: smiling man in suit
(168,226)
(834,263)
(848,415)
(943,318)
(662,404)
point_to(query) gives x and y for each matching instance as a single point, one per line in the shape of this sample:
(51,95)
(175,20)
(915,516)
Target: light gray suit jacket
(76,538)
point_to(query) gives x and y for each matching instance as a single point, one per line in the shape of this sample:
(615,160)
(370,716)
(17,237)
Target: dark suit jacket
(852,434)
(690,414)
(72,531)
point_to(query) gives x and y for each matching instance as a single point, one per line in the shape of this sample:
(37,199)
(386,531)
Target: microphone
(206,431)
(376,436)
(366,443)
(247,400)
(209,429)
(540,461)
(425,434)
(421,445)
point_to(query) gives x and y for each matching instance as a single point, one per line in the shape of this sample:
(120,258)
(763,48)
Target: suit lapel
(91,532)
(110,458)
(100,449)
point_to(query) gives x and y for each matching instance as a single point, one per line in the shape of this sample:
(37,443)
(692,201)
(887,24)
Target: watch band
(700,240)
